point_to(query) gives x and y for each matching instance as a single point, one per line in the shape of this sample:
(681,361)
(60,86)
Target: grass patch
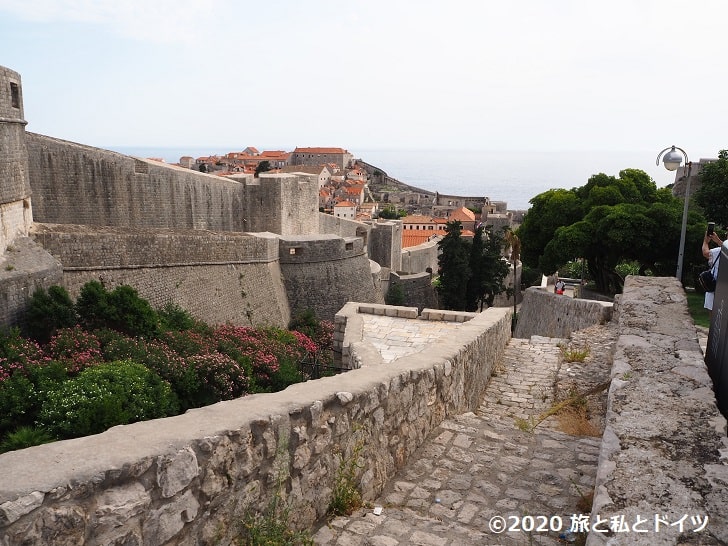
(696,309)
(574,354)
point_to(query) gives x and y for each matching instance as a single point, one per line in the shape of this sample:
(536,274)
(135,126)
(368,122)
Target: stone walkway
(500,465)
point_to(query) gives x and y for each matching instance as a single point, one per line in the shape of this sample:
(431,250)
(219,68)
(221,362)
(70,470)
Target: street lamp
(672,160)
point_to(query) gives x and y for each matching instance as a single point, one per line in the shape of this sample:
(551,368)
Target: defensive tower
(15,212)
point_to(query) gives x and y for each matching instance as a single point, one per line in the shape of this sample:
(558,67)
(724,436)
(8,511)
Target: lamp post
(672,160)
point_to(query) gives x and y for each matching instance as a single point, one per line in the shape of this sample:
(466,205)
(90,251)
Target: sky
(530,75)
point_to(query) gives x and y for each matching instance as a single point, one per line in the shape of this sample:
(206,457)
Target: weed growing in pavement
(574,354)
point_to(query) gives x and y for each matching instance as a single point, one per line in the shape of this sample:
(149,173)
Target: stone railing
(191,479)
(663,466)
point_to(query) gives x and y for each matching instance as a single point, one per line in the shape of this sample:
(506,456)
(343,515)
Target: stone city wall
(416,259)
(322,273)
(191,479)
(218,277)
(664,451)
(77,184)
(417,290)
(547,314)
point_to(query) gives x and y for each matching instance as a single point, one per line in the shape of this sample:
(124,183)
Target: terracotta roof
(413,237)
(462,214)
(345,204)
(275,153)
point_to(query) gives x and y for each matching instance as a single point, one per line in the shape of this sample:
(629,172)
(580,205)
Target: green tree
(48,312)
(607,221)
(262,167)
(454,268)
(712,196)
(488,268)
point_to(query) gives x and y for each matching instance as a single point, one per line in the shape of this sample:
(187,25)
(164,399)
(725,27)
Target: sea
(511,176)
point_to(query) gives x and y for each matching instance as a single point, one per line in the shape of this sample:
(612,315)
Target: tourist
(560,285)
(713,257)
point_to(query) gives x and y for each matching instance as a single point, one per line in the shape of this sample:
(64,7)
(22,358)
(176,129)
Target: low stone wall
(663,464)
(190,479)
(417,259)
(416,289)
(547,314)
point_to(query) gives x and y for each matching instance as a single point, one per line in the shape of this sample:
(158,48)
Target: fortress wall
(218,277)
(664,445)
(323,272)
(190,479)
(416,259)
(416,288)
(77,184)
(341,226)
(281,203)
(13,152)
(547,314)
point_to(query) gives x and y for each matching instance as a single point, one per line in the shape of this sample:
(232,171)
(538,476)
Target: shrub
(395,295)
(122,310)
(48,312)
(17,396)
(25,437)
(217,377)
(106,395)
(76,348)
(17,353)
(173,317)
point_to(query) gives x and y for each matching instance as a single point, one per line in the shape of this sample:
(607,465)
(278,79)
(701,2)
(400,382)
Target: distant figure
(559,287)
(713,257)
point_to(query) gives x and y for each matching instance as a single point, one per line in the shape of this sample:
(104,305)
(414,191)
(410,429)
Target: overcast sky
(562,75)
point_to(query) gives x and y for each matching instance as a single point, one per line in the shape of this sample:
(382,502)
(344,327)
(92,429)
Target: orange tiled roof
(414,237)
(462,214)
(345,204)
(417,219)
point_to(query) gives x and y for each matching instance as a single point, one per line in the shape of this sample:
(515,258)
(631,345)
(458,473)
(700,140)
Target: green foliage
(345,497)
(48,312)
(471,273)
(106,395)
(712,196)
(173,317)
(395,295)
(121,309)
(607,221)
(25,437)
(392,213)
(17,397)
(454,267)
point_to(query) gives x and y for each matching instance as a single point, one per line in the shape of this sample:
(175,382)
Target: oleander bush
(123,361)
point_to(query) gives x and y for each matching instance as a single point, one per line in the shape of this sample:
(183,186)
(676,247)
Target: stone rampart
(416,259)
(416,289)
(322,273)
(547,314)
(77,184)
(664,451)
(190,479)
(218,277)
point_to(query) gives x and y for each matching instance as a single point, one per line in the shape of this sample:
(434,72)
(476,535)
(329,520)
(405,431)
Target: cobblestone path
(501,461)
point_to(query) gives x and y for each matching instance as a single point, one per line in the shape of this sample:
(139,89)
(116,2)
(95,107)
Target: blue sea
(511,176)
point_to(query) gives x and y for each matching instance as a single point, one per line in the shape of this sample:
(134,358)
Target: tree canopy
(471,273)
(712,196)
(606,221)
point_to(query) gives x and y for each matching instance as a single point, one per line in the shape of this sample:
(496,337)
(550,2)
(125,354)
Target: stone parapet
(553,315)
(664,457)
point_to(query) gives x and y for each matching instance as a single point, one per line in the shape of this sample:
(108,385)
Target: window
(349,246)
(15,95)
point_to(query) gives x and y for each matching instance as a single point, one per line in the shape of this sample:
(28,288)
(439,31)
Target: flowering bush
(218,376)
(17,353)
(76,348)
(112,393)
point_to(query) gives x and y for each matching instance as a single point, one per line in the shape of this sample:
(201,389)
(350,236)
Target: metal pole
(681,253)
